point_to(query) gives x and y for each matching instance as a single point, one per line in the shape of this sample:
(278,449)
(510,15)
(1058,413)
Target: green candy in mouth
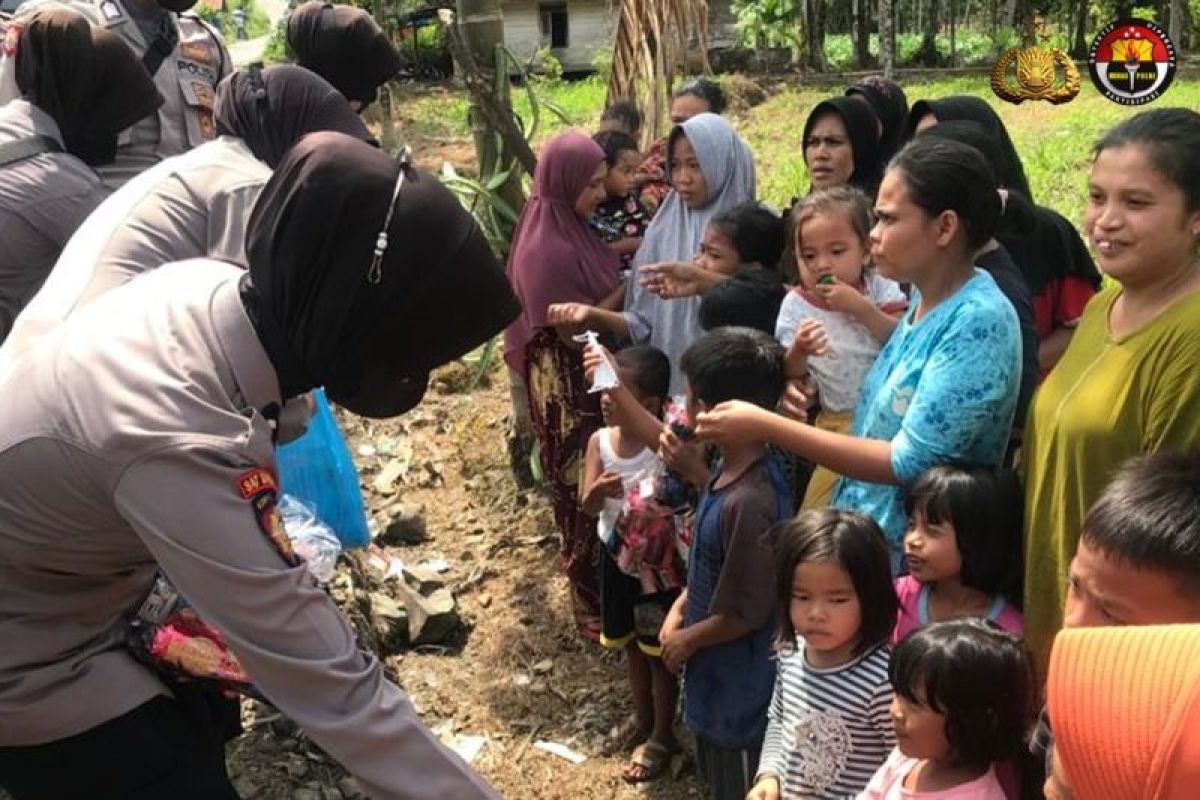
(826,280)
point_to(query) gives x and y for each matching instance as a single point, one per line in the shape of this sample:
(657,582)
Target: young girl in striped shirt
(828,727)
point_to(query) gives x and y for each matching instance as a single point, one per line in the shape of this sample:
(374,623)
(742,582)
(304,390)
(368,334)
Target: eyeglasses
(375,273)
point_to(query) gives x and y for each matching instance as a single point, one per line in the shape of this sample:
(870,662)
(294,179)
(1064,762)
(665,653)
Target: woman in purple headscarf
(555,258)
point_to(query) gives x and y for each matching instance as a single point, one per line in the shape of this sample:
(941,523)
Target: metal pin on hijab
(375,273)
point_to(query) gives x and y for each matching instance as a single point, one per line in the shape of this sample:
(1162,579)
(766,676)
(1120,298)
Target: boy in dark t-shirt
(723,624)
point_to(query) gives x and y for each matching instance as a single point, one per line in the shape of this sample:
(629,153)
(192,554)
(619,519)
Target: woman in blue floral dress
(944,387)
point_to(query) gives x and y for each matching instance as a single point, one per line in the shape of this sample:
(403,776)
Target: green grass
(1054,141)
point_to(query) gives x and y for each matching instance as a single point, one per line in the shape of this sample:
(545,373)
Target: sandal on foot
(631,734)
(652,758)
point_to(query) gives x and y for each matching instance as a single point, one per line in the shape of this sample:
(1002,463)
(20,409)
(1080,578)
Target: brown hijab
(555,257)
(345,46)
(87,79)
(323,312)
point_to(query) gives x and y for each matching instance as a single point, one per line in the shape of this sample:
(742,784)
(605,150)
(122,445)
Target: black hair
(944,175)
(756,233)
(855,543)
(1149,516)
(625,112)
(750,299)
(735,364)
(977,676)
(649,369)
(1171,137)
(983,505)
(613,143)
(706,90)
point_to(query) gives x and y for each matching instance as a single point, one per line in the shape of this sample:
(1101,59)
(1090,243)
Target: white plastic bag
(312,539)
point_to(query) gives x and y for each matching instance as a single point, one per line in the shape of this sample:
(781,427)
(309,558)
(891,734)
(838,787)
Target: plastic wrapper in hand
(311,539)
(605,376)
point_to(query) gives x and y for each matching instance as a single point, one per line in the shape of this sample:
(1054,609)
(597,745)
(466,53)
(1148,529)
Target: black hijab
(890,104)
(1009,169)
(862,130)
(272,109)
(87,79)
(345,46)
(1042,242)
(323,321)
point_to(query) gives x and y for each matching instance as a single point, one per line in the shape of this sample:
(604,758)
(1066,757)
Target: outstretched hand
(568,314)
(733,422)
(673,279)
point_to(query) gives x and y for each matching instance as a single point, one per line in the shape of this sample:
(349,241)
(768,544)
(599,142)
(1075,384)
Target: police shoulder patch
(259,486)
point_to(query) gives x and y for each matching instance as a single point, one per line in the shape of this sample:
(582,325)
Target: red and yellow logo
(1132,62)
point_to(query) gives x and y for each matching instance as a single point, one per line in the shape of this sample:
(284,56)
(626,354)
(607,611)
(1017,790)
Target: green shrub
(257,21)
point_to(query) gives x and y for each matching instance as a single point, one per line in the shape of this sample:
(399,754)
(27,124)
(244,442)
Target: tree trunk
(929,53)
(388,139)
(953,42)
(1010,13)
(1078,44)
(816,35)
(862,41)
(1175,23)
(887,38)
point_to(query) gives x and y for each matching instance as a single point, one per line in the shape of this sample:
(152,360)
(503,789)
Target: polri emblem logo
(1132,62)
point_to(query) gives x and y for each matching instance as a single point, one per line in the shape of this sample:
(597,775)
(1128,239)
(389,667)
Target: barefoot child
(829,728)
(720,629)
(962,549)
(621,219)
(631,616)
(835,322)
(965,696)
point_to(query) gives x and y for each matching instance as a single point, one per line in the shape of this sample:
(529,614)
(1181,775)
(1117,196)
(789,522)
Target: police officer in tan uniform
(137,438)
(184,54)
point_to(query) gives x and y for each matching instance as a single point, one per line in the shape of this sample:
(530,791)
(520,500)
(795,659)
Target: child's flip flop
(652,757)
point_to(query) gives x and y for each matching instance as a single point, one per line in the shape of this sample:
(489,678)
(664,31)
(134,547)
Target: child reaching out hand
(631,612)
(963,549)
(835,322)
(828,728)
(964,698)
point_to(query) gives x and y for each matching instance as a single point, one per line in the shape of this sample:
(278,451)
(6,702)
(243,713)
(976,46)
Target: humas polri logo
(1132,61)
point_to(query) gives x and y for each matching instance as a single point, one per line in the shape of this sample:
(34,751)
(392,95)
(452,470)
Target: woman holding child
(944,386)
(556,258)
(1127,383)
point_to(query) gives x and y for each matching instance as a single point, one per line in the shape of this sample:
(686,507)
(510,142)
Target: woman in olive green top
(1129,383)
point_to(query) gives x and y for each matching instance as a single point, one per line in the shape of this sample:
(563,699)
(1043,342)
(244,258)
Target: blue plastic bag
(318,469)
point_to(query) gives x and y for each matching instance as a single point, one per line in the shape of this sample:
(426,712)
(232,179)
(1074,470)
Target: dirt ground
(518,673)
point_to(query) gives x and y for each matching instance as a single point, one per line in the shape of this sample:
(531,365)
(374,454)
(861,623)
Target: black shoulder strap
(165,39)
(21,149)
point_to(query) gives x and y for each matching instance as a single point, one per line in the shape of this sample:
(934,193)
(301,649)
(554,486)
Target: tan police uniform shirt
(190,206)
(187,80)
(126,438)
(43,199)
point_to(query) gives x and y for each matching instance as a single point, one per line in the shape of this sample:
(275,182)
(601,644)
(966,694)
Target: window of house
(554,24)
